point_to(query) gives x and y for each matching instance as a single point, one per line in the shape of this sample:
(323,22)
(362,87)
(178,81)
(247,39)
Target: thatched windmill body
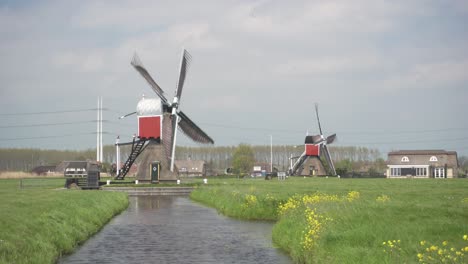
(158,123)
(309,162)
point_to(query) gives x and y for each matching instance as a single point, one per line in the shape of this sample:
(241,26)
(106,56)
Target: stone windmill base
(315,163)
(155,152)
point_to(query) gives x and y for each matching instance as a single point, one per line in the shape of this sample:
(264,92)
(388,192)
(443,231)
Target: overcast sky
(386,74)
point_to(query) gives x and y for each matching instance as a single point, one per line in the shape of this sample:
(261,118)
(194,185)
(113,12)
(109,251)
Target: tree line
(220,157)
(349,158)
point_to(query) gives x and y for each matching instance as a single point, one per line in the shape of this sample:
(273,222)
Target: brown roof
(423,152)
(189,164)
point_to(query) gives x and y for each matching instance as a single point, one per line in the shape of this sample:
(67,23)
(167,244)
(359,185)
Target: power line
(49,124)
(51,136)
(412,141)
(50,112)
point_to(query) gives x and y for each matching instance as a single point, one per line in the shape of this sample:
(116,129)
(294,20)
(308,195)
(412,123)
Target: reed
(332,220)
(26,175)
(40,225)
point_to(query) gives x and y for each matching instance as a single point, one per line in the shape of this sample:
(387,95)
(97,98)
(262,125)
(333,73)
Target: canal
(174,229)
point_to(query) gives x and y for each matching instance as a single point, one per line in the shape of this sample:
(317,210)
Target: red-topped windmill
(158,122)
(314,147)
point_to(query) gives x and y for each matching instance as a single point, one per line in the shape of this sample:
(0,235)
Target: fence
(41,183)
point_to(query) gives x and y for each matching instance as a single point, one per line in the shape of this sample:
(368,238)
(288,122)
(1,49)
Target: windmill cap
(313,139)
(149,106)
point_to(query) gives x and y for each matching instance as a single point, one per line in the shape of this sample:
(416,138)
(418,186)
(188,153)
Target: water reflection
(173,229)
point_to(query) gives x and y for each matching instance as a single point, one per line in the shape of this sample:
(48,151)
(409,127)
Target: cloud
(327,65)
(194,35)
(273,19)
(126,15)
(429,75)
(263,59)
(79,61)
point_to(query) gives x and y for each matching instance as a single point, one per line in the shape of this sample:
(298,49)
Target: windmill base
(312,167)
(155,152)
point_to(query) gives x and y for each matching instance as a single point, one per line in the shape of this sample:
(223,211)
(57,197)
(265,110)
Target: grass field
(330,220)
(24,175)
(41,222)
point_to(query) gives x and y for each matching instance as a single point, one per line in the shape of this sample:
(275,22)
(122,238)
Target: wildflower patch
(443,253)
(382,198)
(315,224)
(297,201)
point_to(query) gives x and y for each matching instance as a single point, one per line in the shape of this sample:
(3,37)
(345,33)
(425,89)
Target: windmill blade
(124,116)
(167,134)
(317,139)
(329,160)
(331,139)
(318,119)
(184,66)
(175,122)
(136,63)
(193,131)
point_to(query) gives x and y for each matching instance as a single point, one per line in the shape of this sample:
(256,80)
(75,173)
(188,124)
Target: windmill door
(312,170)
(155,168)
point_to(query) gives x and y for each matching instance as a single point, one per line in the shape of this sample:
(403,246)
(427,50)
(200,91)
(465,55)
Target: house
(191,168)
(422,164)
(44,170)
(260,169)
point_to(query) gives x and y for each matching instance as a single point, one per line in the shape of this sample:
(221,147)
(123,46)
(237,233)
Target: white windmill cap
(149,106)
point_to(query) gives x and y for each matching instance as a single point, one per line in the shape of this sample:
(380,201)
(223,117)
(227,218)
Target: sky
(389,75)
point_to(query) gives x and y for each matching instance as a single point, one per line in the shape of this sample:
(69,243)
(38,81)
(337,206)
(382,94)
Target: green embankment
(39,223)
(330,220)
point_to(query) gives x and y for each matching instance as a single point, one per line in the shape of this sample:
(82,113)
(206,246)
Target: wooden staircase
(137,147)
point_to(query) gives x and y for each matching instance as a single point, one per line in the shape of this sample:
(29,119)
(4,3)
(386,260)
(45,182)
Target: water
(173,229)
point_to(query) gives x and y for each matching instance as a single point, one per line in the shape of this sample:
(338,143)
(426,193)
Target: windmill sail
(136,63)
(329,160)
(190,129)
(318,119)
(331,139)
(166,138)
(184,66)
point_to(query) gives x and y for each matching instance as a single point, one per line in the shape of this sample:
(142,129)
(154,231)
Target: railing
(41,183)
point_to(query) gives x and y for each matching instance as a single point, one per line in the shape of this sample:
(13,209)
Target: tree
(343,167)
(243,159)
(463,165)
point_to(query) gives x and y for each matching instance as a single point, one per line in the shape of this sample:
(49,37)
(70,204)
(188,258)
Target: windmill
(314,147)
(158,123)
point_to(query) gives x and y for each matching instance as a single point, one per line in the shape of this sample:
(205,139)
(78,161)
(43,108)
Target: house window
(421,172)
(396,172)
(439,172)
(433,158)
(405,159)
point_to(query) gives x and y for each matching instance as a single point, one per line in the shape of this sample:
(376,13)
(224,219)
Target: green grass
(424,209)
(40,223)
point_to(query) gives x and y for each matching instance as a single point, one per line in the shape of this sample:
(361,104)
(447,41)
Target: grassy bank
(37,225)
(353,220)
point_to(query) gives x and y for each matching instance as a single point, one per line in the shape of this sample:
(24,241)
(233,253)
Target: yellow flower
(353,195)
(420,256)
(422,243)
(465,237)
(444,243)
(434,248)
